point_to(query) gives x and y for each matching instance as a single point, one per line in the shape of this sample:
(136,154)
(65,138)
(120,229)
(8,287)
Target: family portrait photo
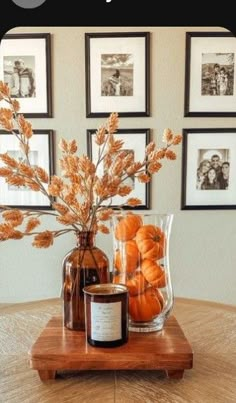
(213,170)
(19,74)
(218,74)
(210,74)
(208,164)
(117,74)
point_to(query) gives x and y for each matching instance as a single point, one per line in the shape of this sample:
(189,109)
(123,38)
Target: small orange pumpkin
(151,242)
(144,307)
(130,259)
(151,271)
(127,227)
(136,284)
(161,283)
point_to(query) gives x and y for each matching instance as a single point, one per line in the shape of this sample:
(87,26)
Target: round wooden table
(209,327)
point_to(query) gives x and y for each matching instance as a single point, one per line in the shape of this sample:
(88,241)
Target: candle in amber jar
(106,314)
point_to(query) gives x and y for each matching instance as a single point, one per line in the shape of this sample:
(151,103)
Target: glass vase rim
(143,213)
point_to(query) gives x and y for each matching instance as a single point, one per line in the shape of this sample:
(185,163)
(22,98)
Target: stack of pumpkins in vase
(141,262)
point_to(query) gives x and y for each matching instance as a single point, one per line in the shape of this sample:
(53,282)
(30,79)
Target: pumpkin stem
(156,238)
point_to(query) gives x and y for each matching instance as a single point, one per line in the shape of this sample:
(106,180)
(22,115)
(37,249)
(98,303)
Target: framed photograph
(208,170)
(135,141)
(210,74)
(117,74)
(41,154)
(25,65)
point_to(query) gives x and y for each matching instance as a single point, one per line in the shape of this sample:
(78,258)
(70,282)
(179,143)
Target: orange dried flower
(144,178)
(67,219)
(13,217)
(85,189)
(102,228)
(56,186)
(124,190)
(25,127)
(154,167)
(32,224)
(100,136)
(15,180)
(9,161)
(167,136)
(61,208)
(63,145)
(25,170)
(133,201)
(16,235)
(42,174)
(43,240)
(5,172)
(177,139)
(112,123)
(170,155)
(16,105)
(4,90)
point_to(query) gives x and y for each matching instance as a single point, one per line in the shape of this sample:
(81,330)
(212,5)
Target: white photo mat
(40,145)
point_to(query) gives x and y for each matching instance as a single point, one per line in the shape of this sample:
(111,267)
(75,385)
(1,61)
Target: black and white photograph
(218,74)
(117,74)
(19,74)
(213,169)
(208,164)
(210,74)
(41,154)
(135,141)
(25,65)
(117,67)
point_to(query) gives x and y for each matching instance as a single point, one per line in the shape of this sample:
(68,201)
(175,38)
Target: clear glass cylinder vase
(141,262)
(82,266)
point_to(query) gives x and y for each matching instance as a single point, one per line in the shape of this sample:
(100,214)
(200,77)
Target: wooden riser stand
(58,348)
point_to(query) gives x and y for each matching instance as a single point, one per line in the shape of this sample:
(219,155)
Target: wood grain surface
(209,327)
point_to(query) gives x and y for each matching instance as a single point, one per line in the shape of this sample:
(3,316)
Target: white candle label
(106,321)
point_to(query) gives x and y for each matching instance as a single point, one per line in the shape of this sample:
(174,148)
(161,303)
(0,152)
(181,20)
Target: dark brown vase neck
(85,239)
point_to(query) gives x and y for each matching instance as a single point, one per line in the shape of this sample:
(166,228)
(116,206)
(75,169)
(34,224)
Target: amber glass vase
(84,265)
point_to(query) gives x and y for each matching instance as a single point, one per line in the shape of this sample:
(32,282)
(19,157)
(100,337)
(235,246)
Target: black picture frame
(199,158)
(133,89)
(34,50)
(210,91)
(42,149)
(136,140)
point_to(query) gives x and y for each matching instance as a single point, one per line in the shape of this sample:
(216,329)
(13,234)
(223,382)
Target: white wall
(203,256)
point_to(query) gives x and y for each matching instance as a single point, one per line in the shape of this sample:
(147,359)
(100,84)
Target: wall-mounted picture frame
(41,154)
(208,167)
(135,141)
(25,65)
(117,74)
(210,74)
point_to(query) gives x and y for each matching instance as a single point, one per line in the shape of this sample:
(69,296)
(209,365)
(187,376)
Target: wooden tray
(58,348)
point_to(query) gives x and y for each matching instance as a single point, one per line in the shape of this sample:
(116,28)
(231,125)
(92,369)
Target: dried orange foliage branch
(83,197)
